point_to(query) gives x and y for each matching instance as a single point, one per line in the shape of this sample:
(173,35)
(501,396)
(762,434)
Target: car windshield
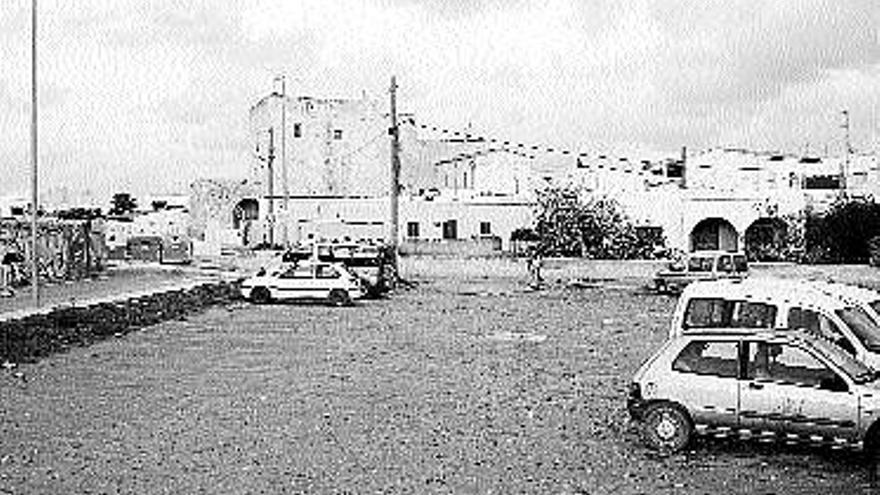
(875,305)
(740,264)
(857,370)
(865,329)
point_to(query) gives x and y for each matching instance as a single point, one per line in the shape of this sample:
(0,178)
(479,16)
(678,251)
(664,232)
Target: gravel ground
(461,384)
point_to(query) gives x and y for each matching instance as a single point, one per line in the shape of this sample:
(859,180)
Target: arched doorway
(244,214)
(765,239)
(246,209)
(714,234)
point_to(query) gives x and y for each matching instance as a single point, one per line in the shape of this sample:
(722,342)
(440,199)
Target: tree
(842,234)
(123,204)
(597,228)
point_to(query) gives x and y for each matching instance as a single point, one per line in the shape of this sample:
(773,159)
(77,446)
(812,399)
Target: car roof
(765,289)
(854,292)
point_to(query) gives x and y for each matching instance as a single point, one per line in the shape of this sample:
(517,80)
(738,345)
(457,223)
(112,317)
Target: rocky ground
(468,382)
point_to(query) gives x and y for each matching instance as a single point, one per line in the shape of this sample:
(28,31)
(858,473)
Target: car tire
(261,295)
(338,298)
(666,427)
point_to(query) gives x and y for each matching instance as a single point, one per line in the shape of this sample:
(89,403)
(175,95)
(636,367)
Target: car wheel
(338,298)
(261,295)
(872,454)
(666,428)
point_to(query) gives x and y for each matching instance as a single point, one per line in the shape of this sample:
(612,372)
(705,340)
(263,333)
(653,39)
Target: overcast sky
(145,95)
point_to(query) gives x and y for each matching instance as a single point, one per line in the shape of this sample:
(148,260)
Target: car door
(294,283)
(327,278)
(788,390)
(706,382)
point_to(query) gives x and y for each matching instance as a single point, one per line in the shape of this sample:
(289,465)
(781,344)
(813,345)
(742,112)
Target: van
(700,265)
(780,304)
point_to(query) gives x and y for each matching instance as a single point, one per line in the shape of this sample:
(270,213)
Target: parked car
(371,263)
(767,385)
(700,265)
(779,303)
(330,282)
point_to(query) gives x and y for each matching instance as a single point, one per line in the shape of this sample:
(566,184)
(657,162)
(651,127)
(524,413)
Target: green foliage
(123,204)
(524,234)
(842,234)
(598,228)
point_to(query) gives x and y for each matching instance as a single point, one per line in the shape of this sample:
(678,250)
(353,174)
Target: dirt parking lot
(468,382)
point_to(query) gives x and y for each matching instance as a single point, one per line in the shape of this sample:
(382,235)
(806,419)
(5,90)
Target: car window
(297,272)
(327,271)
(740,264)
(722,313)
(708,358)
(725,264)
(790,365)
(864,328)
(700,264)
(753,315)
(815,322)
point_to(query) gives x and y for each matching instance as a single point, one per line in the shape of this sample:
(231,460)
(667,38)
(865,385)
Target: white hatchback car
(330,282)
(787,385)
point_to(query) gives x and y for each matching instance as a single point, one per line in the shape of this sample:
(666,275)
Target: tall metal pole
(395,177)
(35,275)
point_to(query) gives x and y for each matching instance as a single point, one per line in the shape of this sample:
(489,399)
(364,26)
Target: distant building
(329,177)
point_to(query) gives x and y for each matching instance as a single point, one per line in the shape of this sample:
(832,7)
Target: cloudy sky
(145,95)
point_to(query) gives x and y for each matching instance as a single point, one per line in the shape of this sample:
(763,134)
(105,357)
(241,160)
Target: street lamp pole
(35,275)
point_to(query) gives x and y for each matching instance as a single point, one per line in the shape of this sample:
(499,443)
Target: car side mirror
(833,384)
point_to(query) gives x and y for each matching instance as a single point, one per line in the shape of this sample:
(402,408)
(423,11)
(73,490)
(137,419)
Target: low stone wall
(463,248)
(32,337)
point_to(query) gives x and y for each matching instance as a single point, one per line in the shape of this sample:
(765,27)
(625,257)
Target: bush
(843,233)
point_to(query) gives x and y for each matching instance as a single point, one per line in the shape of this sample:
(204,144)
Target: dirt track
(466,384)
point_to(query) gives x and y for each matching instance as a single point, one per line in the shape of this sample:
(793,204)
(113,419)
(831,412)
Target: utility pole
(394,192)
(35,274)
(271,187)
(284,185)
(845,164)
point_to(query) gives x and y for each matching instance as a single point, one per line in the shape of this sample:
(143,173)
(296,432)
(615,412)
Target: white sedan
(330,282)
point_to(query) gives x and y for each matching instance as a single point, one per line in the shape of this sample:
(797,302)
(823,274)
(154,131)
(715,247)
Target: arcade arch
(714,234)
(765,239)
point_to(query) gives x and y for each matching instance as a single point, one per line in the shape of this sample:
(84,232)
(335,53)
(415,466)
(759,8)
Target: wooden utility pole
(395,178)
(845,164)
(35,208)
(271,187)
(284,185)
